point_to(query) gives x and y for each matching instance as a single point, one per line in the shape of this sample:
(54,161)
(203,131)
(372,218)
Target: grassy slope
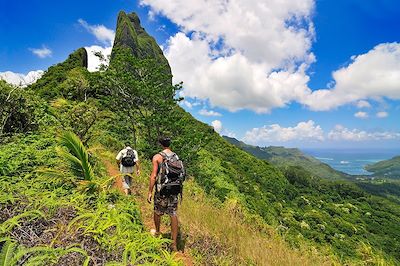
(281,156)
(222,234)
(331,214)
(388,168)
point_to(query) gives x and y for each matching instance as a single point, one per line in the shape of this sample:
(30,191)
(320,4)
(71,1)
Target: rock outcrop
(130,34)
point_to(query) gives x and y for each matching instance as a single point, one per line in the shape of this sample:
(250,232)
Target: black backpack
(129,159)
(171,175)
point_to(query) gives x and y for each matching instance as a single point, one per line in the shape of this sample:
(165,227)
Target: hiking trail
(139,193)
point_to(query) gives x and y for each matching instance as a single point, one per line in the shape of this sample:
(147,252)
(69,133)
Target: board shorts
(126,181)
(165,204)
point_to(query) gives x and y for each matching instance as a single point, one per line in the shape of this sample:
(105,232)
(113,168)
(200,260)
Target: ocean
(351,161)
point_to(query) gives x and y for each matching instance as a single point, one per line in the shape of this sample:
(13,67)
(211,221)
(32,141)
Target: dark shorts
(165,204)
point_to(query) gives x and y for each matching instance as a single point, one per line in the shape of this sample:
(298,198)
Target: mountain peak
(130,34)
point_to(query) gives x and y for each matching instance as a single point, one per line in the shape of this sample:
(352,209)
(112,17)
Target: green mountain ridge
(282,156)
(387,168)
(334,217)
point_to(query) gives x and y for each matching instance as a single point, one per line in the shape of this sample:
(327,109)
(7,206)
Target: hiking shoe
(154,233)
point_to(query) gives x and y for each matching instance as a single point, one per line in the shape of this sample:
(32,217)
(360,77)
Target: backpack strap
(164,155)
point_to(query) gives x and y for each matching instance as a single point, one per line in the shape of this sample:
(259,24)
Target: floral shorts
(165,204)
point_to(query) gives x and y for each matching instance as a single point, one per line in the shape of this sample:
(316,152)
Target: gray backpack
(171,175)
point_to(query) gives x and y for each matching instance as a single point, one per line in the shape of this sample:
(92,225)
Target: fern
(13,254)
(9,224)
(7,251)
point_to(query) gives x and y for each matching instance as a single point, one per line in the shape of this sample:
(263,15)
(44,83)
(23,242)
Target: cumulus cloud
(217,125)
(106,37)
(41,52)
(382,114)
(275,133)
(209,113)
(94,61)
(256,61)
(101,32)
(362,115)
(342,133)
(19,79)
(363,104)
(373,75)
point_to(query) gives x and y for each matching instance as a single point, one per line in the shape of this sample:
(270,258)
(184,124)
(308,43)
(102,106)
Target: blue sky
(295,73)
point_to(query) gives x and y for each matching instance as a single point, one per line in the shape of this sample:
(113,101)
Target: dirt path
(139,192)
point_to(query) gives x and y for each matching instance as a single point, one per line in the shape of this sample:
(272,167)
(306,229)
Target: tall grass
(246,243)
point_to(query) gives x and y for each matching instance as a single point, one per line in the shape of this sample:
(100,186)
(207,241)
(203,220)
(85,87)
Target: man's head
(127,144)
(165,141)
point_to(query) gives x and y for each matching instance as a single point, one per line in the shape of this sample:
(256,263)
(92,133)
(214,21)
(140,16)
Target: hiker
(127,158)
(167,177)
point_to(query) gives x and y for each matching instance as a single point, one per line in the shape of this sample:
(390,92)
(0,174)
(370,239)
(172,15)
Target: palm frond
(76,155)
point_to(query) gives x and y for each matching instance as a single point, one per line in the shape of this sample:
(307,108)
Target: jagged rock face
(130,34)
(79,58)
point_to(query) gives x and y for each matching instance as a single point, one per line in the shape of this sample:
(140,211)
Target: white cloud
(101,32)
(256,61)
(217,125)
(41,52)
(363,104)
(362,115)
(105,36)
(187,104)
(373,75)
(209,113)
(22,80)
(382,114)
(342,133)
(94,61)
(275,133)
(151,15)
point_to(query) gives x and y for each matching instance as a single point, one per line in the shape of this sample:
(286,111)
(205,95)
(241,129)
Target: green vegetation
(57,204)
(58,78)
(283,157)
(388,168)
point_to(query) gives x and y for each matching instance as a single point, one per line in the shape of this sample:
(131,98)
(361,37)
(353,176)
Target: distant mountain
(282,156)
(21,79)
(387,168)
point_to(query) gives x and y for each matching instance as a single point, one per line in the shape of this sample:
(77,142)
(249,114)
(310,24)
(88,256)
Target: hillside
(387,168)
(59,207)
(281,157)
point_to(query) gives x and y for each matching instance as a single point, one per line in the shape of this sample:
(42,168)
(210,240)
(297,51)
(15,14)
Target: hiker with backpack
(127,158)
(167,177)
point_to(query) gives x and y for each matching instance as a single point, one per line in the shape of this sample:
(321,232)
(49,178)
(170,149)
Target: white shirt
(122,154)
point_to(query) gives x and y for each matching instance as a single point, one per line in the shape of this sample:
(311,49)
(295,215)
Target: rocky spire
(130,34)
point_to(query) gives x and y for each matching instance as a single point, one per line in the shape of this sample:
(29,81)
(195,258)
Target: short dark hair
(127,144)
(165,141)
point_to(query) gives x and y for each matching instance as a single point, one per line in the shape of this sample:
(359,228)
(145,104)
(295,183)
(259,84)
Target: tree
(76,85)
(142,89)
(16,112)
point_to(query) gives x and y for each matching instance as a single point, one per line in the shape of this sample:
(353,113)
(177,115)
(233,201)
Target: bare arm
(153,175)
